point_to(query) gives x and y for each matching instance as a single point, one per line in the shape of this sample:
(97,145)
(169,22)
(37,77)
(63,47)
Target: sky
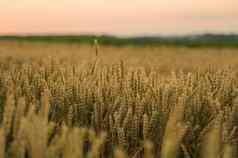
(118,17)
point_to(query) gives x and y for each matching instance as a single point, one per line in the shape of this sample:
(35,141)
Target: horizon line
(114,34)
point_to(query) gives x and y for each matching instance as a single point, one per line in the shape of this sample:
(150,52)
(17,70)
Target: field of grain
(63,101)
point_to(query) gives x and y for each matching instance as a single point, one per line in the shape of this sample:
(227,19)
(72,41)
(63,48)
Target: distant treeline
(189,41)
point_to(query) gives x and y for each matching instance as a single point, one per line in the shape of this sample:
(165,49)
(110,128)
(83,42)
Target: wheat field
(63,101)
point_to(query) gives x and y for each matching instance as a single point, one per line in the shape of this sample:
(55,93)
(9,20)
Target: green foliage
(206,40)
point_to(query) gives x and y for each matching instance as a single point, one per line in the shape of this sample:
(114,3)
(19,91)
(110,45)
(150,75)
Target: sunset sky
(119,17)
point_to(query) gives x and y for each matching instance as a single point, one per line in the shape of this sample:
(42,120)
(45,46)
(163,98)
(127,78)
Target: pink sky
(121,17)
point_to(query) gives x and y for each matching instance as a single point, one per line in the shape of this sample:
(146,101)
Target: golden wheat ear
(119,153)
(212,140)
(2,142)
(148,149)
(175,131)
